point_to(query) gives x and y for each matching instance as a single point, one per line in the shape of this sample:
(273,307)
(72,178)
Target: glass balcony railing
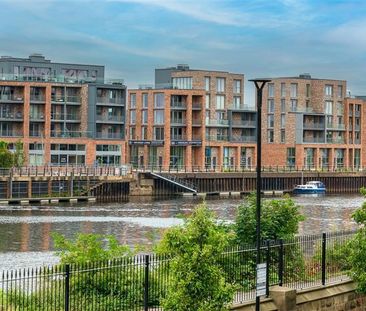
(178,121)
(69,134)
(178,137)
(11,133)
(196,105)
(103,135)
(36,116)
(314,125)
(220,122)
(248,123)
(197,122)
(11,97)
(65,117)
(50,78)
(243,139)
(107,118)
(241,107)
(217,138)
(337,140)
(11,115)
(37,98)
(314,140)
(65,99)
(178,105)
(103,100)
(36,133)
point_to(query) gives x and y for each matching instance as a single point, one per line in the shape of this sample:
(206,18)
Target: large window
(207,101)
(328,90)
(133,101)
(159,117)
(283,105)
(309,158)
(329,107)
(293,89)
(159,100)
(324,158)
(158,133)
(340,91)
(144,116)
(270,136)
(291,157)
(145,100)
(184,83)
(220,101)
(220,85)
(270,89)
(283,89)
(207,83)
(133,117)
(293,105)
(237,101)
(237,86)
(270,120)
(62,154)
(270,106)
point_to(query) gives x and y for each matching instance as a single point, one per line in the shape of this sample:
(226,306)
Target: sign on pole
(261,279)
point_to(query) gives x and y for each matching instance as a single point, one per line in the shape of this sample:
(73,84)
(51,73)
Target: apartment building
(310,123)
(65,114)
(206,123)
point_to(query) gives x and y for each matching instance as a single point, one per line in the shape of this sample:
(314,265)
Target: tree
(197,280)
(6,157)
(357,248)
(280,219)
(18,154)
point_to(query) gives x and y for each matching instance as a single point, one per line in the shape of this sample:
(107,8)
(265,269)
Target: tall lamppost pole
(259,84)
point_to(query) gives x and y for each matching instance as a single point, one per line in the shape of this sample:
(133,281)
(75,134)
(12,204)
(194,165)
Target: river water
(25,231)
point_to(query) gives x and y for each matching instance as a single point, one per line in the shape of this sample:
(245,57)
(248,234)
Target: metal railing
(313,125)
(66,117)
(70,134)
(37,98)
(242,107)
(11,115)
(36,116)
(106,100)
(178,104)
(219,122)
(101,117)
(141,282)
(109,135)
(64,99)
(15,98)
(249,123)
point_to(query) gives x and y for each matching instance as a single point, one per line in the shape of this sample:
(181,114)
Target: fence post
(67,287)
(268,254)
(324,249)
(280,264)
(146,283)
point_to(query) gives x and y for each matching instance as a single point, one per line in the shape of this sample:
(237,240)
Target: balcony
(60,117)
(36,133)
(333,126)
(220,122)
(37,99)
(106,101)
(178,122)
(314,140)
(11,133)
(314,126)
(243,139)
(196,122)
(69,134)
(331,140)
(196,106)
(37,117)
(178,137)
(103,135)
(242,107)
(11,116)
(11,98)
(243,123)
(217,138)
(59,99)
(109,119)
(178,105)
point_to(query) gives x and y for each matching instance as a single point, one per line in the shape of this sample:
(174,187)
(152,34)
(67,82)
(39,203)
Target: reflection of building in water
(46,236)
(25,234)
(87,226)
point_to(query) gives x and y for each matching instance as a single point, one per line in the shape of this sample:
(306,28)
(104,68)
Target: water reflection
(27,230)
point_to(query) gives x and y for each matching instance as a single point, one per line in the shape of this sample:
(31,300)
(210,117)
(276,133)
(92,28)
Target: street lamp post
(259,84)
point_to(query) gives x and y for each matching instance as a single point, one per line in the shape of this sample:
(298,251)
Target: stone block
(283,297)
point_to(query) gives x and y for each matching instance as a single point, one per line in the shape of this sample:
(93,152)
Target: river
(25,231)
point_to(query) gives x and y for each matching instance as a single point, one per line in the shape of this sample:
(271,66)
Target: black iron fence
(142,282)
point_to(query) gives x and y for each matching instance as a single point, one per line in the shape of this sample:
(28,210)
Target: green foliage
(18,156)
(6,157)
(197,280)
(357,248)
(88,247)
(279,219)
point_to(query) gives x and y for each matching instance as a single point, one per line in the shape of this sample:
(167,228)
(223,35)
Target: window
(270,137)
(293,105)
(220,101)
(283,89)
(283,105)
(207,83)
(329,107)
(144,132)
(329,121)
(283,138)
(220,85)
(132,133)
(293,89)
(340,109)
(270,90)
(339,158)
(237,101)
(270,106)
(340,91)
(324,158)
(328,90)
(145,102)
(221,134)
(309,157)
(159,117)
(283,120)
(291,157)
(270,120)
(133,117)
(237,86)
(158,133)
(133,101)
(308,90)
(184,83)
(159,100)
(207,101)
(220,115)
(144,116)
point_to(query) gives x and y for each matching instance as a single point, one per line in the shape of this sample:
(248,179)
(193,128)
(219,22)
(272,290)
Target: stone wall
(337,297)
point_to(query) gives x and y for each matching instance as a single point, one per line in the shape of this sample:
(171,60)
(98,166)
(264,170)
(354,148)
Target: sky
(259,38)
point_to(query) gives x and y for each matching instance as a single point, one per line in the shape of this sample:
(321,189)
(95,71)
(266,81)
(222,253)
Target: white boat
(310,187)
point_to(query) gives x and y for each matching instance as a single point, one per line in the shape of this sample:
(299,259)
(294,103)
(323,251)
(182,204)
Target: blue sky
(260,38)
